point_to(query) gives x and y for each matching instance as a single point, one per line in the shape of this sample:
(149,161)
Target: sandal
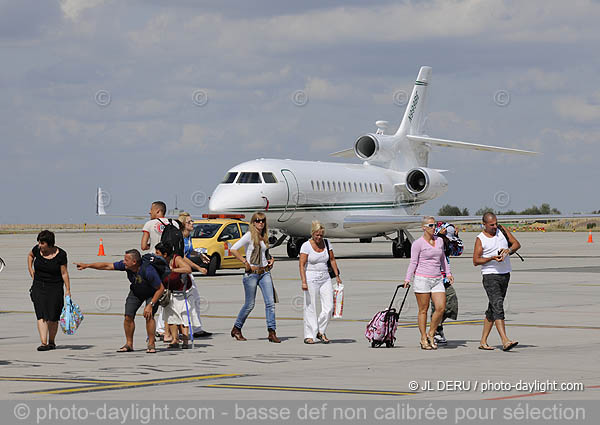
(309,341)
(425,346)
(44,347)
(432,342)
(184,345)
(173,345)
(151,349)
(323,338)
(509,346)
(125,349)
(486,347)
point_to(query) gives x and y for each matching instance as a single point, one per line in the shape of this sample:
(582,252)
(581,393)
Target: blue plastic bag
(71,317)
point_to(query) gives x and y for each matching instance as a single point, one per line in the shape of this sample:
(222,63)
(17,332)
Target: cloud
(536,79)
(72,9)
(579,109)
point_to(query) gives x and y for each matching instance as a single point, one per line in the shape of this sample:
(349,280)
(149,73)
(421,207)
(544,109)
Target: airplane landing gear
(401,246)
(293,246)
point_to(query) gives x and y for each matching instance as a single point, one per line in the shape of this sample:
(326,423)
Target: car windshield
(205,230)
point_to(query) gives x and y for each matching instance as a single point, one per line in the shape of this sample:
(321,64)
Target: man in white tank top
(492,252)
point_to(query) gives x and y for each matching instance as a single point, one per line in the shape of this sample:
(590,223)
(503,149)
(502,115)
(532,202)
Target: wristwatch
(152,303)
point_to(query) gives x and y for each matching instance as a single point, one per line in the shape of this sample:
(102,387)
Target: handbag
(165,298)
(338,300)
(329,267)
(70,317)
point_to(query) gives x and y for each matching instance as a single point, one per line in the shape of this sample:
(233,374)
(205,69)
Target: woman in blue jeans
(256,243)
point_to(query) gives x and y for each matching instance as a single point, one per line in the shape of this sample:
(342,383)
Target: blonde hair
(182,216)
(426,219)
(316,226)
(257,237)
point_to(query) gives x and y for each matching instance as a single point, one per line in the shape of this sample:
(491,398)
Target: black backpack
(173,236)
(144,291)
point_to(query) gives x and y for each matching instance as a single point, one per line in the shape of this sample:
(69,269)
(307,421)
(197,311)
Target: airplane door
(292,195)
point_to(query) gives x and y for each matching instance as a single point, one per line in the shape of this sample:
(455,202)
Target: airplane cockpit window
(249,178)
(229,178)
(269,178)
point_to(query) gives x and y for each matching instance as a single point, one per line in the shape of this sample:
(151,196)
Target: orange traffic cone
(101,249)
(590,240)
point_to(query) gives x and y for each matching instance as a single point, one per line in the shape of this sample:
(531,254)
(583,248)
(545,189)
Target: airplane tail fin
(100,202)
(414,114)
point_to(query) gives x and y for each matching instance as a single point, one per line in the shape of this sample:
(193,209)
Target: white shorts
(426,285)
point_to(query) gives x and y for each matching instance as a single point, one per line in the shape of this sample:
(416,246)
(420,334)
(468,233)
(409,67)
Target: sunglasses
(261,220)
(430,225)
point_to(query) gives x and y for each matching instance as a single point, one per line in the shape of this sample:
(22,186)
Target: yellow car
(217,233)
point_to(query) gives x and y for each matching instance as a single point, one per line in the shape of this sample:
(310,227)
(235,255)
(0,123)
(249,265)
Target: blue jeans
(251,281)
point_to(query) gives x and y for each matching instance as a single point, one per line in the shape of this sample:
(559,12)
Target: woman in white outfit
(314,255)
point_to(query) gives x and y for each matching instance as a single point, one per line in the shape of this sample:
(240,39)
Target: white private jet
(379,197)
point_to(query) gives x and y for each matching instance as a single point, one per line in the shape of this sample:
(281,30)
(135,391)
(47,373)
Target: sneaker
(440,338)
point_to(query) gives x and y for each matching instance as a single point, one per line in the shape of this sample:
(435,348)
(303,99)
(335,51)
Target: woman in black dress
(47,266)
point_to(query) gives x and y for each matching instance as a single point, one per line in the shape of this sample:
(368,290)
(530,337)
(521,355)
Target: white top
(317,261)
(155,229)
(246,242)
(491,246)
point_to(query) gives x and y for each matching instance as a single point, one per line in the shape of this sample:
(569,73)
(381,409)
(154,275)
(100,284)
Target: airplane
(380,197)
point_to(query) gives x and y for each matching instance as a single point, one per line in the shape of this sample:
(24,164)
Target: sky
(156,100)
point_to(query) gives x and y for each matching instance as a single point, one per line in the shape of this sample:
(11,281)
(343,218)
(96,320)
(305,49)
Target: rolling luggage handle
(394,297)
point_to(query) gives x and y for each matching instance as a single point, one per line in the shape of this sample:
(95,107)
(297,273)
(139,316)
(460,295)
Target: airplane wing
(466,145)
(346,153)
(408,221)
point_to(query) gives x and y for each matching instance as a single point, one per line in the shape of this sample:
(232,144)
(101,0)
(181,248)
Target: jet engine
(376,148)
(425,184)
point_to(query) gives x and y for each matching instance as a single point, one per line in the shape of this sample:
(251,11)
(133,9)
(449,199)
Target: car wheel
(213,266)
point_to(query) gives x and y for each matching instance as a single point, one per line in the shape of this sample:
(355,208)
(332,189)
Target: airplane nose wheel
(293,246)
(401,246)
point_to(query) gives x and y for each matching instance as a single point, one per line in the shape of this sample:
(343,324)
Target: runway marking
(115,385)
(400,324)
(307,389)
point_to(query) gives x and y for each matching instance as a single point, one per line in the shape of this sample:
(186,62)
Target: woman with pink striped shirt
(427,261)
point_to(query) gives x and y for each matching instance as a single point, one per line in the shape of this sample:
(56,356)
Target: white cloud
(536,79)
(73,8)
(579,109)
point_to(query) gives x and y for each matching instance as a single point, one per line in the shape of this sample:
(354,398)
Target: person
(187,224)
(452,246)
(146,286)
(151,235)
(492,252)
(314,256)
(47,266)
(427,262)
(176,312)
(256,243)
(153,228)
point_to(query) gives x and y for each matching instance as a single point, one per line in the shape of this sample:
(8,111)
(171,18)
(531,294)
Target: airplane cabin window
(312,183)
(339,187)
(322,185)
(269,178)
(380,187)
(370,187)
(345,190)
(355,187)
(229,178)
(329,186)
(249,178)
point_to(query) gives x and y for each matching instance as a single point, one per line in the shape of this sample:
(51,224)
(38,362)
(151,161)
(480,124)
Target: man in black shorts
(145,286)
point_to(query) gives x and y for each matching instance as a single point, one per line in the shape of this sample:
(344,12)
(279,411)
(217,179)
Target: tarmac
(552,309)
